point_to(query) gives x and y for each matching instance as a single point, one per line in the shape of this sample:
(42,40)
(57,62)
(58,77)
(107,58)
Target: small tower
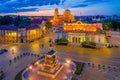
(56,13)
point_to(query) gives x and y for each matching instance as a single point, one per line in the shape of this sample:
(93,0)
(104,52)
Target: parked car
(116,46)
(3,51)
(109,36)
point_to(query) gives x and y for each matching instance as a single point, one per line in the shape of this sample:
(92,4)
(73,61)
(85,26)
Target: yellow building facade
(77,38)
(77,32)
(84,27)
(14,34)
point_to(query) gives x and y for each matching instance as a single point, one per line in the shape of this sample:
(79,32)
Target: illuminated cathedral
(59,20)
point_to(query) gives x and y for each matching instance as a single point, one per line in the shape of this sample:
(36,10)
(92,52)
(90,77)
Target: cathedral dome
(67,10)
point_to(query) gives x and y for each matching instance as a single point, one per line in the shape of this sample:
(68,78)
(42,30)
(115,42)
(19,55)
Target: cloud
(79,5)
(13,6)
(33,5)
(25,3)
(63,1)
(95,1)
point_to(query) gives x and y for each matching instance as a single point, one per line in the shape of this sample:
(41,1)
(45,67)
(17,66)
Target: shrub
(84,43)
(92,43)
(73,78)
(79,67)
(88,44)
(19,75)
(61,41)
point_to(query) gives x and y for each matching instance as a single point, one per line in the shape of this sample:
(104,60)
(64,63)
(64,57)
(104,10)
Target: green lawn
(61,41)
(73,78)
(79,67)
(19,75)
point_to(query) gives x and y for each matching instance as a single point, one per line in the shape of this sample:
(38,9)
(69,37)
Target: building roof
(51,52)
(37,21)
(34,25)
(14,28)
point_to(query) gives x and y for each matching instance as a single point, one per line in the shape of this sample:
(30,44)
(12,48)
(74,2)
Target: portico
(76,38)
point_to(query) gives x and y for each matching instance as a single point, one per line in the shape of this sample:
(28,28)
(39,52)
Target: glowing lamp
(30,67)
(68,61)
(37,63)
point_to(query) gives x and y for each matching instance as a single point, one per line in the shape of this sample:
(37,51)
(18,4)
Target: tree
(102,16)
(92,43)
(6,20)
(97,17)
(89,19)
(88,44)
(83,43)
(17,21)
(115,24)
(26,21)
(48,24)
(107,25)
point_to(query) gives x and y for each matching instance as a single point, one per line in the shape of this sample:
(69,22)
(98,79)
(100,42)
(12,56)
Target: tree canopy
(6,20)
(48,24)
(114,24)
(17,21)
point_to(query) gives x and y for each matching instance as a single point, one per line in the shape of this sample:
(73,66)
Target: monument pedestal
(52,66)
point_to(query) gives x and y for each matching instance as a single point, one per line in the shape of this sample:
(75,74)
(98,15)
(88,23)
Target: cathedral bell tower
(56,13)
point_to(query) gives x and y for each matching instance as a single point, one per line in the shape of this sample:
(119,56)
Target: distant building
(115,17)
(98,18)
(27,33)
(84,27)
(58,20)
(77,32)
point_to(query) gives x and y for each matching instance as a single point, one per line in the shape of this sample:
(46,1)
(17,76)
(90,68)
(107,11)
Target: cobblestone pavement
(100,72)
(114,39)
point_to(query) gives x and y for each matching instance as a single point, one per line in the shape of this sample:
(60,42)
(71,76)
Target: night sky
(46,7)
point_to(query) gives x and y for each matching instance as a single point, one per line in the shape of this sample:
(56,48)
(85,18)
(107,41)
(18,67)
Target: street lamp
(37,63)
(68,61)
(12,51)
(30,67)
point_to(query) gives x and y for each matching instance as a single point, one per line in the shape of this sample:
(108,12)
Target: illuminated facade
(78,32)
(58,20)
(15,34)
(52,66)
(84,27)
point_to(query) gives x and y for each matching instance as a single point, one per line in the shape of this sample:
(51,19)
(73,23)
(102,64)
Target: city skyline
(46,7)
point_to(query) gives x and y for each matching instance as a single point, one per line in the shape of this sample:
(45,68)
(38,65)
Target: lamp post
(12,51)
